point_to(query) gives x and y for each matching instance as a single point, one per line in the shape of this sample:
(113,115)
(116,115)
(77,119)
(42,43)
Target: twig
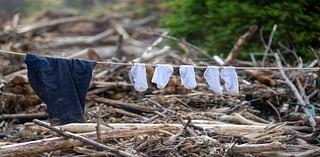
(186,43)
(154,117)
(24,116)
(124,112)
(79,40)
(148,56)
(310,138)
(120,30)
(308,153)
(301,89)
(154,44)
(252,116)
(125,105)
(83,139)
(311,95)
(269,44)
(289,50)
(185,48)
(119,52)
(311,120)
(98,124)
(51,23)
(91,152)
(256,148)
(275,109)
(261,37)
(181,131)
(238,118)
(253,59)
(316,53)
(102,84)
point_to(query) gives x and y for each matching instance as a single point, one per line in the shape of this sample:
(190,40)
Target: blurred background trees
(216,25)
(211,24)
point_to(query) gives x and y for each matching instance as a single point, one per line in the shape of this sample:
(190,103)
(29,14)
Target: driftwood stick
(185,43)
(308,153)
(99,124)
(237,118)
(149,56)
(220,128)
(120,30)
(88,53)
(124,112)
(126,105)
(80,40)
(102,84)
(154,44)
(83,139)
(154,117)
(233,54)
(252,116)
(24,116)
(119,52)
(311,120)
(51,23)
(91,152)
(173,138)
(256,148)
(269,44)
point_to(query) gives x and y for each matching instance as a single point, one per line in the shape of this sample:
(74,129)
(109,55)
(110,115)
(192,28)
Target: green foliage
(216,25)
(89,8)
(29,7)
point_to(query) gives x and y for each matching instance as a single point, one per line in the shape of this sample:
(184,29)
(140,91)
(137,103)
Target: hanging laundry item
(161,75)
(212,76)
(230,77)
(139,77)
(188,77)
(62,84)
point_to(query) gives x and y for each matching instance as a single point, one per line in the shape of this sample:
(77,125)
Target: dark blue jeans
(62,84)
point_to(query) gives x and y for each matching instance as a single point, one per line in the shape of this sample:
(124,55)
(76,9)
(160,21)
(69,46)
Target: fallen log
(61,143)
(84,139)
(219,128)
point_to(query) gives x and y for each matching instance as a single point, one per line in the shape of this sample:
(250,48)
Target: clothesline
(195,66)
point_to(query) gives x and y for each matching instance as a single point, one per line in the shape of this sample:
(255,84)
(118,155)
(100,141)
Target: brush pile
(275,114)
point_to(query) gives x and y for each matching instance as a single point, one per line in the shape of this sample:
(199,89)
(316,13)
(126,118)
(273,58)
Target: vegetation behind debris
(216,25)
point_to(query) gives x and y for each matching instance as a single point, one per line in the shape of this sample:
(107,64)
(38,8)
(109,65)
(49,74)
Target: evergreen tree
(216,25)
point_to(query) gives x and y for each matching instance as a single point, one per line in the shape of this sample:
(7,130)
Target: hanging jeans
(62,84)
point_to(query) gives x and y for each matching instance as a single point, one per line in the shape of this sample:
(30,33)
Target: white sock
(139,77)
(230,77)
(213,79)
(188,77)
(161,75)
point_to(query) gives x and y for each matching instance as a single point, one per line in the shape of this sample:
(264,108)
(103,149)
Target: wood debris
(275,114)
